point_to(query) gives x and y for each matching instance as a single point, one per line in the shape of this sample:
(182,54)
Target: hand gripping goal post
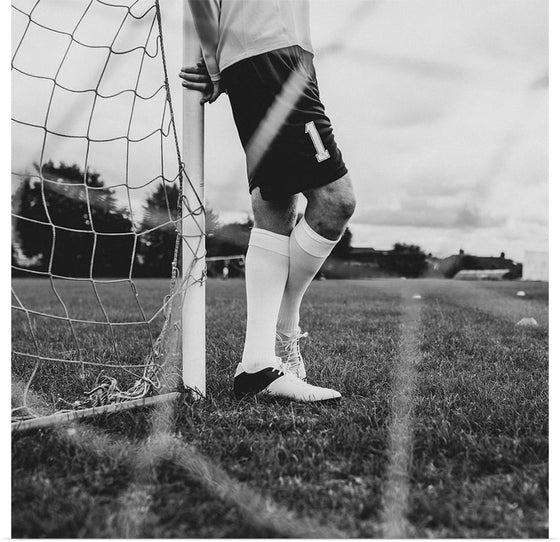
(107,200)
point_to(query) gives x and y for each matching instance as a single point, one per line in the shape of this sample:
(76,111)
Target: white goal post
(194,327)
(125,188)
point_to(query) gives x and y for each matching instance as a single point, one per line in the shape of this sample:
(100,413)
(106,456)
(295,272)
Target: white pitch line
(397,487)
(134,508)
(134,503)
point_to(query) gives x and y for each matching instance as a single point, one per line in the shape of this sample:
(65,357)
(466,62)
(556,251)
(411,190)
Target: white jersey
(232,30)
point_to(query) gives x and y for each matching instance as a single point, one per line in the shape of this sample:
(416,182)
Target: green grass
(478,419)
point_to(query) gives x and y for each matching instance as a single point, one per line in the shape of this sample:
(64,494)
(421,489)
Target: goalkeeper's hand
(197,78)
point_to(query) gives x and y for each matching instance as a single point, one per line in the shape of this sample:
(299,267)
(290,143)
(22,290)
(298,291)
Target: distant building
(481,274)
(450,266)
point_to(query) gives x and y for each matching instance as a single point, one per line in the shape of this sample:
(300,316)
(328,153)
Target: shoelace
(282,368)
(291,347)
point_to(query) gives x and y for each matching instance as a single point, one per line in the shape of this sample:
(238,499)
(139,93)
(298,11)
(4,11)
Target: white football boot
(277,381)
(287,349)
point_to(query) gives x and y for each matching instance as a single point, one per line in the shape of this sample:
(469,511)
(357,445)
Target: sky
(440,108)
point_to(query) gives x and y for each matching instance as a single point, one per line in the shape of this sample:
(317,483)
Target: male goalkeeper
(260,53)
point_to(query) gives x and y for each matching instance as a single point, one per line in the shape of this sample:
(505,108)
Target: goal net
(107,222)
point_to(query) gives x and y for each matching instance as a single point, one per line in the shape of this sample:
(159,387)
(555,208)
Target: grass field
(442,430)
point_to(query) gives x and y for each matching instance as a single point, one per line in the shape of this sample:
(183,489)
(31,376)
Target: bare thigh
(278,216)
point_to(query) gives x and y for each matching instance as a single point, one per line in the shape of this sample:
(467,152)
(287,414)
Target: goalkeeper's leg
(266,272)
(328,210)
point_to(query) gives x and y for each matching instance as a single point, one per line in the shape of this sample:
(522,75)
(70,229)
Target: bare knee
(346,204)
(330,207)
(336,199)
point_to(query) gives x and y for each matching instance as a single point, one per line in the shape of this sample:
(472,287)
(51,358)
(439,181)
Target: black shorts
(289,144)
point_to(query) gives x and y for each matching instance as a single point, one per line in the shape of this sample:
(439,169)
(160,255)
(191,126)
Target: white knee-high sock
(266,272)
(308,251)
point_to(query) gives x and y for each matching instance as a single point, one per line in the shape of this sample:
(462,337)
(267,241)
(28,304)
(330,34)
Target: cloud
(540,83)
(429,68)
(437,184)
(440,109)
(422,214)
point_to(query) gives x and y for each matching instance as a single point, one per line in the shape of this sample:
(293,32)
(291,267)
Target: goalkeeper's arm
(206,14)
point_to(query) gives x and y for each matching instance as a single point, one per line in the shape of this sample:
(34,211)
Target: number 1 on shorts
(322,153)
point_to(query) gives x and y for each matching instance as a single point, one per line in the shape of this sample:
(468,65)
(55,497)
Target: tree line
(71,224)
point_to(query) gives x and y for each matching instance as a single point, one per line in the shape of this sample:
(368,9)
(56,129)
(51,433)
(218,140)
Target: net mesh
(100,204)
